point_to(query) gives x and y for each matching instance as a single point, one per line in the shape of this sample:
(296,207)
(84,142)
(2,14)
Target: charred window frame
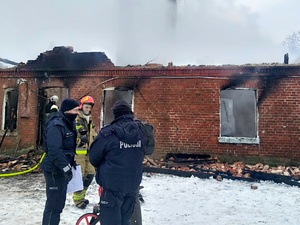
(239,116)
(109,97)
(10,109)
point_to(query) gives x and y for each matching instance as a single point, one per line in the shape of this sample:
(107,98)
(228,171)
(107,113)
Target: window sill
(9,134)
(239,140)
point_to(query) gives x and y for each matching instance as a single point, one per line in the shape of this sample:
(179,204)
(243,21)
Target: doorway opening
(44,95)
(10,109)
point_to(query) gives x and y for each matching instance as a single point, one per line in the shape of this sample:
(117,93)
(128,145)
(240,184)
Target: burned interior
(110,96)
(10,109)
(239,117)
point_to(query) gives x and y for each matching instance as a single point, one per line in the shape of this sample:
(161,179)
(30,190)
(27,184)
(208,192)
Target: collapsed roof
(64,58)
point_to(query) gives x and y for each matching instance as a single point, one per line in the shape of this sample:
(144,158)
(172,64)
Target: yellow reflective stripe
(79,126)
(85,99)
(81,152)
(78,197)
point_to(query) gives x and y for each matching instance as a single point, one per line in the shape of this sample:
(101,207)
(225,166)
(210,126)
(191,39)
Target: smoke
(292,44)
(145,31)
(189,32)
(5,65)
(138,31)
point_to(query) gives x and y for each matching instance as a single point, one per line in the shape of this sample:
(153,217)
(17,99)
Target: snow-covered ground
(169,200)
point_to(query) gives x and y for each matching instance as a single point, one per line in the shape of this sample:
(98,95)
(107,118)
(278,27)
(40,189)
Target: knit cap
(120,108)
(68,104)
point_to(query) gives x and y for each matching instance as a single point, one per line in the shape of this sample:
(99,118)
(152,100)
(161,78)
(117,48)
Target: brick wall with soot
(184,107)
(186,114)
(185,110)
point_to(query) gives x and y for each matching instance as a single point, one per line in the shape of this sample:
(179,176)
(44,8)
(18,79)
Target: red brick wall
(279,121)
(186,113)
(184,106)
(25,134)
(27,113)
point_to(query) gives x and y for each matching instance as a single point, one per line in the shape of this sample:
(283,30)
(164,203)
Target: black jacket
(59,140)
(117,153)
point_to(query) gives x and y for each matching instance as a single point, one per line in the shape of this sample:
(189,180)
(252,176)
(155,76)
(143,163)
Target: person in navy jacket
(117,153)
(59,144)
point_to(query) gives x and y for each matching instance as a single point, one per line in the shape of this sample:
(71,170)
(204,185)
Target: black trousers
(136,218)
(116,208)
(56,190)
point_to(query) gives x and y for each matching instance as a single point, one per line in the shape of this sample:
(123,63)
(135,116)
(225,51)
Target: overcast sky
(133,32)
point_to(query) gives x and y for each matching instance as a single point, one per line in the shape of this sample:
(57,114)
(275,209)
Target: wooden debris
(296,177)
(151,161)
(254,187)
(22,163)
(207,165)
(219,178)
(235,170)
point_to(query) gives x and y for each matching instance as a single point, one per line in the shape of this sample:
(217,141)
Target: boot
(86,201)
(78,199)
(86,183)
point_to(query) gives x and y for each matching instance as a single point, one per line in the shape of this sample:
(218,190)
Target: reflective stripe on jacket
(89,128)
(81,151)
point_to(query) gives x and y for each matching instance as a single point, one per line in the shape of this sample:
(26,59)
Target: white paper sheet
(76,183)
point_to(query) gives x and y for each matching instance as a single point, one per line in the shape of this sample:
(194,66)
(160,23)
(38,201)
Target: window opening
(110,96)
(238,116)
(10,109)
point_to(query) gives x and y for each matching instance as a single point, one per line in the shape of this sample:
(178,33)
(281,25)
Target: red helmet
(86,100)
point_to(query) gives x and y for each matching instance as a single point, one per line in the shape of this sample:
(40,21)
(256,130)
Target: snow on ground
(169,200)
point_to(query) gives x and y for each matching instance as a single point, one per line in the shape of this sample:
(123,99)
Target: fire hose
(22,172)
(11,119)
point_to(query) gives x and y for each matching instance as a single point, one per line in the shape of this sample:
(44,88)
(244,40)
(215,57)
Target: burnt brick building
(250,110)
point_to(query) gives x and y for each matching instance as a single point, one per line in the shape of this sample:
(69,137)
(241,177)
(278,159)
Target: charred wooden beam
(255,176)
(273,177)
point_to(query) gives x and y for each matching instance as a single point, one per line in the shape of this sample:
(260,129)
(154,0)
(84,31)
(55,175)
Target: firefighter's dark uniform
(85,130)
(117,153)
(47,111)
(59,145)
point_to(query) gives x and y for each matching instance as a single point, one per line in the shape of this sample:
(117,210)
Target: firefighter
(86,135)
(47,110)
(52,101)
(53,111)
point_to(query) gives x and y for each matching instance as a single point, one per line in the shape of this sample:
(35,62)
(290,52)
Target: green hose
(26,171)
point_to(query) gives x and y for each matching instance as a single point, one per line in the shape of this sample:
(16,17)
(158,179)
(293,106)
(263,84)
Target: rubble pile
(22,163)
(183,165)
(214,166)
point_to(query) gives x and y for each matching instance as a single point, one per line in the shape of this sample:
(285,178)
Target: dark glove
(69,174)
(84,139)
(74,165)
(82,131)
